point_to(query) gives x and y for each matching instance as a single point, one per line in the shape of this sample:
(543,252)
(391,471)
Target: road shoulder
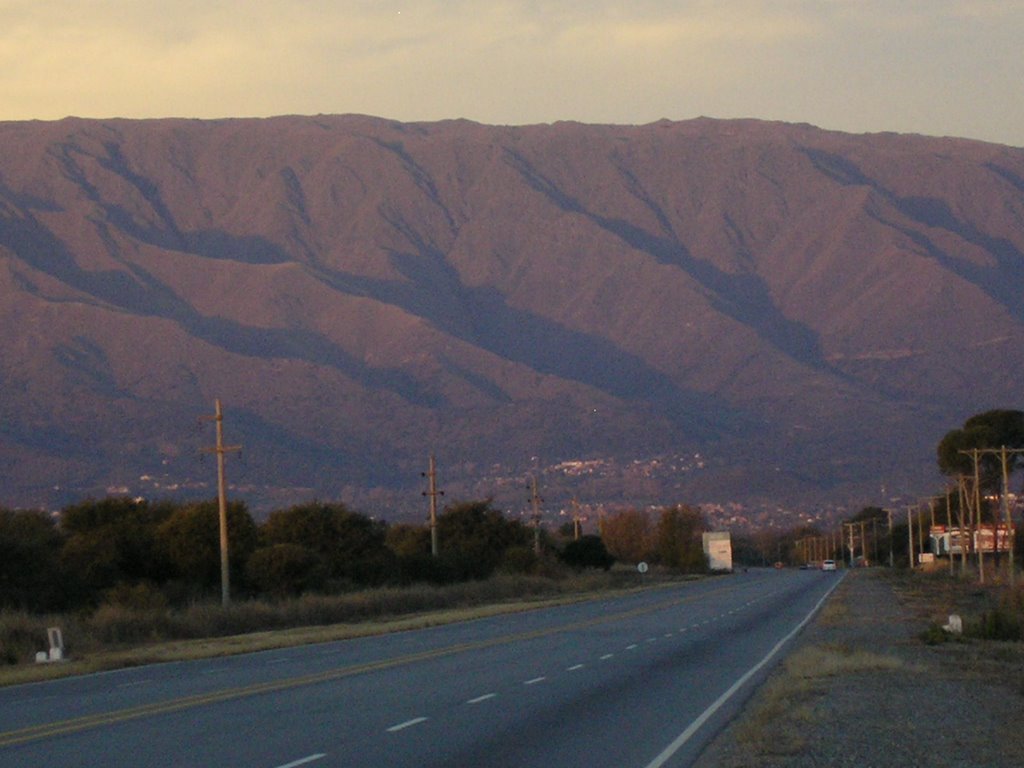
(860,688)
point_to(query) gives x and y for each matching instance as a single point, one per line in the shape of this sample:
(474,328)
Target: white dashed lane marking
(406,724)
(304,761)
(485,697)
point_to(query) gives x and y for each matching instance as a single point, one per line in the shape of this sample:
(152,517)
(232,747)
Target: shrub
(587,552)
(519,559)
(21,637)
(140,597)
(285,569)
(999,624)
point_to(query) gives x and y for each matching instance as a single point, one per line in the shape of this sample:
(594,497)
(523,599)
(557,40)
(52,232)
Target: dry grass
(776,723)
(117,636)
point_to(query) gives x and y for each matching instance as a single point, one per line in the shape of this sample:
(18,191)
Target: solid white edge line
(696,725)
(303,761)
(406,724)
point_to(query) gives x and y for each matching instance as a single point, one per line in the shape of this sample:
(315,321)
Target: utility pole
(222,505)
(974,453)
(892,561)
(910,537)
(575,520)
(949,532)
(1004,461)
(977,511)
(921,532)
(535,501)
(433,493)
(961,506)
(1003,453)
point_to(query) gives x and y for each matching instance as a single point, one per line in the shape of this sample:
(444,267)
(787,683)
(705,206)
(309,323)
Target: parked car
(828,565)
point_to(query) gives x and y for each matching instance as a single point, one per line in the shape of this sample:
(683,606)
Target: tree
(628,536)
(587,552)
(111,541)
(989,430)
(350,545)
(678,539)
(190,540)
(285,569)
(407,540)
(30,577)
(473,537)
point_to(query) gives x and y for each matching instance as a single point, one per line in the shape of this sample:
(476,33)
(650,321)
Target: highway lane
(613,682)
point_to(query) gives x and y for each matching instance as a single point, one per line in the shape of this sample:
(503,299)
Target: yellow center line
(61,727)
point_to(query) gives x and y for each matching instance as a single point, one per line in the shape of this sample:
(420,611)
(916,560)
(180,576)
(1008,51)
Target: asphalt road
(644,680)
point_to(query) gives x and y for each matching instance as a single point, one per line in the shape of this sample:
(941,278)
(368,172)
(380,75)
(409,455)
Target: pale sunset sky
(937,67)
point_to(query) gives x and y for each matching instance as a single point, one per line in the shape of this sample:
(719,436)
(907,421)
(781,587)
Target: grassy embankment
(115,636)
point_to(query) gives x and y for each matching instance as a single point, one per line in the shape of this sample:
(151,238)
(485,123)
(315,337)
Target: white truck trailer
(718,548)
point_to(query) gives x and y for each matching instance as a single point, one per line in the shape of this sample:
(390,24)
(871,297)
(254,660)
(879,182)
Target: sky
(936,67)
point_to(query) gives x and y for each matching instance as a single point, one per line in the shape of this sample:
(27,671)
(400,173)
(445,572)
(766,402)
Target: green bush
(285,569)
(587,552)
(999,624)
(934,635)
(22,635)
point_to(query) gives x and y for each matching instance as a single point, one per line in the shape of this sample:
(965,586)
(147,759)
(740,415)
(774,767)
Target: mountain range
(722,311)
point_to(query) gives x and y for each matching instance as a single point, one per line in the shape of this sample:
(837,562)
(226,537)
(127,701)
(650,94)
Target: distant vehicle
(828,565)
(806,566)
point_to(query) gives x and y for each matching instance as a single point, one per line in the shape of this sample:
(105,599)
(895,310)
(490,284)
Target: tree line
(163,553)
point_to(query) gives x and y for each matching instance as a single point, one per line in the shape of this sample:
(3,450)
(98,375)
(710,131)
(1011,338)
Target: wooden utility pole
(910,536)
(1004,460)
(222,505)
(965,521)
(977,512)
(1003,453)
(949,533)
(535,501)
(575,520)
(892,560)
(432,493)
(974,453)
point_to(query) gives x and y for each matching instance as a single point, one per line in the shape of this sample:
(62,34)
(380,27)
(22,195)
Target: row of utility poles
(432,493)
(809,549)
(968,522)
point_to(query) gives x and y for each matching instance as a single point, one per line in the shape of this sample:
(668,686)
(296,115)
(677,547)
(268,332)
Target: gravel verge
(860,687)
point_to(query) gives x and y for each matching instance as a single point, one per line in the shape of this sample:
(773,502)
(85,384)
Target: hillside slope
(809,311)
